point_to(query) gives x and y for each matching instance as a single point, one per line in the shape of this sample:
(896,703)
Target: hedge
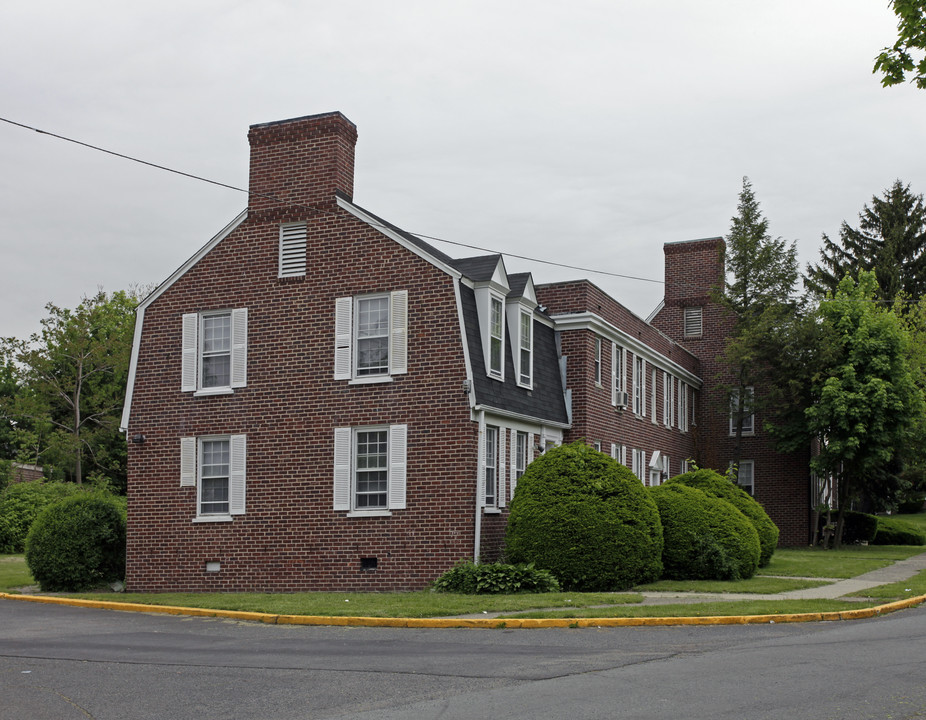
(893,531)
(716,485)
(587,519)
(20,504)
(705,538)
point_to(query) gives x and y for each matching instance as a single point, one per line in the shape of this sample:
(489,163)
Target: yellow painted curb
(483,623)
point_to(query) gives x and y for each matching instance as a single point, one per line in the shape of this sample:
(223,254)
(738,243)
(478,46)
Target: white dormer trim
(492,293)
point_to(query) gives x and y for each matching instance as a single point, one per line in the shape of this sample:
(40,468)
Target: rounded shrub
(78,543)
(587,519)
(716,485)
(20,504)
(705,538)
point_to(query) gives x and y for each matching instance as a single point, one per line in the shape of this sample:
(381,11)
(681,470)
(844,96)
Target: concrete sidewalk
(896,572)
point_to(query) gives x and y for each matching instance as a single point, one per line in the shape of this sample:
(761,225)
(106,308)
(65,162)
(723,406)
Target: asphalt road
(61,663)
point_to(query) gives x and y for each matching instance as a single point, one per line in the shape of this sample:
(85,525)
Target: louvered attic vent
(292,249)
(693,327)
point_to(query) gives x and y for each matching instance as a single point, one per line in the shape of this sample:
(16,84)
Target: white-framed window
(597,361)
(522,441)
(658,469)
(638,465)
(619,453)
(692,322)
(215,466)
(496,337)
(491,470)
(371,337)
(214,351)
(667,399)
(370,469)
(744,408)
(618,387)
(597,445)
(683,406)
(685,466)
(745,475)
(652,391)
(639,386)
(292,249)
(526,343)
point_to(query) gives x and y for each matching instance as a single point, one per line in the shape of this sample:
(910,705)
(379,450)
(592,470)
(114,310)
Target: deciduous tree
(908,54)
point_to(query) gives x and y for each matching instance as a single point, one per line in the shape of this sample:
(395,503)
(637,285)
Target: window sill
(369,513)
(214,391)
(213,519)
(492,511)
(745,434)
(371,380)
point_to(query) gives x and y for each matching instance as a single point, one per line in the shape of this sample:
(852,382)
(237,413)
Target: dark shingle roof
(545,401)
(477,269)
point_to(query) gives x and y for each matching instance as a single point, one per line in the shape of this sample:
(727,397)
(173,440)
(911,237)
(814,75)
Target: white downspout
(480,463)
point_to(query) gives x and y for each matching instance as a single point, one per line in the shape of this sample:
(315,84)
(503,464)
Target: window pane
(373,336)
(214,477)
(216,351)
(491,464)
(372,477)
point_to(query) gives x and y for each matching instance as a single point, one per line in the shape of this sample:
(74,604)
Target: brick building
(320,400)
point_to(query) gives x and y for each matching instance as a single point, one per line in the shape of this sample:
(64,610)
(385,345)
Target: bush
(705,538)
(912,504)
(471,579)
(716,485)
(892,531)
(857,527)
(78,543)
(586,518)
(20,503)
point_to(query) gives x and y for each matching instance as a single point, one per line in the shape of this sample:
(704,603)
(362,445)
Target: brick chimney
(303,160)
(693,269)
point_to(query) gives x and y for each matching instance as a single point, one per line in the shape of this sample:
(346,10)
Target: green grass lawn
(794,565)
(13,572)
(846,562)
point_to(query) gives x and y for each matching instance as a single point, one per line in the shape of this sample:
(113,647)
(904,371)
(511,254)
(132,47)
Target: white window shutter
(513,463)
(342,455)
(239,347)
(188,462)
(502,433)
(236,480)
(343,317)
(398,454)
(398,341)
(190,352)
(614,373)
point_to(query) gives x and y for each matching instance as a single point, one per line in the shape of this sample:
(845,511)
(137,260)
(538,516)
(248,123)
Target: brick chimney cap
(319,116)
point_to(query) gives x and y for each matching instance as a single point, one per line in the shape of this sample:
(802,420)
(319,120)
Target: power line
(316,209)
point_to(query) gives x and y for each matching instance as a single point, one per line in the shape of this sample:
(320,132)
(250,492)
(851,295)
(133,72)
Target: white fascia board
(597,324)
(530,295)
(652,315)
(517,417)
(471,395)
(154,295)
(392,235)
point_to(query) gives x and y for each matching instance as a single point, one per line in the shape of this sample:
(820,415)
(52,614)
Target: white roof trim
(392,235)
(155,294)
(591,321)
(652,315)
(497,412)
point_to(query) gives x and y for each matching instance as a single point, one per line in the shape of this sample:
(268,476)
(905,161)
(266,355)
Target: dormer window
(526,349)
(496,335)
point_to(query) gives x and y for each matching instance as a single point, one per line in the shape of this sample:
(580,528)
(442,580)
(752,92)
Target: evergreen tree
(762,272)
(890,240)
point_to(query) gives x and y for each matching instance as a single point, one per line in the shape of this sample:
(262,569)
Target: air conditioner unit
(622,399)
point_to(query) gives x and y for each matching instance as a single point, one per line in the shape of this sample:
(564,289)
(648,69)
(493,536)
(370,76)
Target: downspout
(480,463)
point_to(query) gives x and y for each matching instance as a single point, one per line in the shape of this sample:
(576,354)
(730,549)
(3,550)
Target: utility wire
(316,209)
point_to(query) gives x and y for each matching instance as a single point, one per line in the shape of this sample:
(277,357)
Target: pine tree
(763,272)
(890,241)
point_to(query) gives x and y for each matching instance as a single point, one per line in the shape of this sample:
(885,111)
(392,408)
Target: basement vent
(292,249)
(368,563)
(213,566)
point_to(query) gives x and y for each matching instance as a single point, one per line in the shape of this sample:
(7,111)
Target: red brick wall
(290,538)
(782,482)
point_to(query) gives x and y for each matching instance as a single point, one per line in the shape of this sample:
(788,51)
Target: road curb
(483,623)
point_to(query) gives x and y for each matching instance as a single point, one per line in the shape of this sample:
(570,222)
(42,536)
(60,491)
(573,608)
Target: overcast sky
(589,133)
